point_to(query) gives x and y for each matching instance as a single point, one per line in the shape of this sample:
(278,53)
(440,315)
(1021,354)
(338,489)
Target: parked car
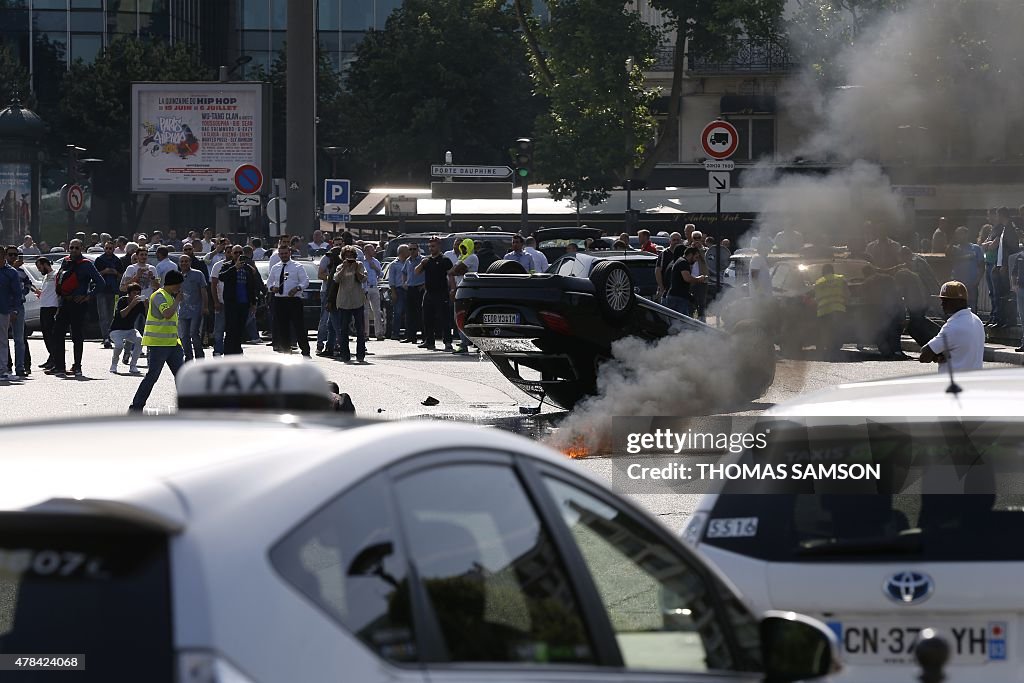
(372,551)
(548,332)
(931,543)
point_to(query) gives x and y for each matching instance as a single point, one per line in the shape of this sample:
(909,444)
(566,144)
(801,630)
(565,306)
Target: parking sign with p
(336,191)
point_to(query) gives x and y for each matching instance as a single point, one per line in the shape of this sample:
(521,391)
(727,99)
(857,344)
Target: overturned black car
(549,332)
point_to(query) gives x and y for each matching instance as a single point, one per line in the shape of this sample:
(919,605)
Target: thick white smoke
(936,81)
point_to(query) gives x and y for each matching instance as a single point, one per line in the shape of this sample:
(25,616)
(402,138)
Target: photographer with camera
(347,303)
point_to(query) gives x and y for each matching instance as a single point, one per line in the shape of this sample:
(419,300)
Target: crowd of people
(216,288)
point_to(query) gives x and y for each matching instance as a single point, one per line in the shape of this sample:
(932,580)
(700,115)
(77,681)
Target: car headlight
(694,529)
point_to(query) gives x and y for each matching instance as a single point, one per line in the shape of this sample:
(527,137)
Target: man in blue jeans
(161,337)
(398,279)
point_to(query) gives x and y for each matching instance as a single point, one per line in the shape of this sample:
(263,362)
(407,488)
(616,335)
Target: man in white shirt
(217,251)
(372,305)
(49,302)
(961,341)
(141,272)
(207,240)
(287,282)
(317,243)
(164,264)
(465,262)
(146,277)
(539,259)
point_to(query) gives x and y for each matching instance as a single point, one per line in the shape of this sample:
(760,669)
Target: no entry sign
(248,179)
(719,139)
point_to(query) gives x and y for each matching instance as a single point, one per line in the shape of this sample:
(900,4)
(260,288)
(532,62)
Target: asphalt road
(395,381)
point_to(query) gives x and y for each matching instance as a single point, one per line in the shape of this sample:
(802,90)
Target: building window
(85,46)
(757,138)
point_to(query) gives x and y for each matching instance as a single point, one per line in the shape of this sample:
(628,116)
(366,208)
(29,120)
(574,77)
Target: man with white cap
(961,341)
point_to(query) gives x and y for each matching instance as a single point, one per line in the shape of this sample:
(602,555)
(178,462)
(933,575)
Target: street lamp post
(628,119)
(334,153)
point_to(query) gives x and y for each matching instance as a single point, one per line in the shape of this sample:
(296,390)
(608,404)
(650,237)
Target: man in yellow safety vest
(161,336)
(831,295)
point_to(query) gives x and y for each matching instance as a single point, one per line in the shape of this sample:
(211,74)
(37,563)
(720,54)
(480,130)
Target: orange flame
(576,449)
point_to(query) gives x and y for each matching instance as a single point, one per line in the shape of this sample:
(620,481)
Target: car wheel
(613,287)
(755,370)
(505,267)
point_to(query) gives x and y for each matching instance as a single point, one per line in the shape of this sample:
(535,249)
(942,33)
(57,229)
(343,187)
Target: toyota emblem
(908,588)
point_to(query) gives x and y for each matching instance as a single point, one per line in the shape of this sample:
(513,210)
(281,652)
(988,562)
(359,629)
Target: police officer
(161,336)
(961,341)
(831,294)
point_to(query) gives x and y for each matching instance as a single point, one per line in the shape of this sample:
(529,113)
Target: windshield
(947,492)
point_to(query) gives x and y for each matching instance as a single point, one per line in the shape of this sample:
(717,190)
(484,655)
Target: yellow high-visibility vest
(160,331)
(830,294)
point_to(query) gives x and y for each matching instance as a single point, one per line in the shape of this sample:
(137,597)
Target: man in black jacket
(242,288)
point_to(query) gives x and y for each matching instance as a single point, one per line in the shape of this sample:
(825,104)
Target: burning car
(548,333)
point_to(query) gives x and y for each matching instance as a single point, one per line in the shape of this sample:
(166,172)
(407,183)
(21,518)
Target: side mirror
(795,647)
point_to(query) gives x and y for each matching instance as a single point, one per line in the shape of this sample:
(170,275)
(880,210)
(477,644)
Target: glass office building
(47,35)
(342,24)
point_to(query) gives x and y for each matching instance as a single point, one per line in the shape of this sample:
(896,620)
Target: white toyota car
(937,543)
(243,547)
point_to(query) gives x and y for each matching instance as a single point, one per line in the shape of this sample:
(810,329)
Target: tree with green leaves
(588,61)
(820,31)
(329,107)
(95,112)
(597,111)
(442,75)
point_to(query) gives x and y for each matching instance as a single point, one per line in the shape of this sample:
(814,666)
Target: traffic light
(524,157)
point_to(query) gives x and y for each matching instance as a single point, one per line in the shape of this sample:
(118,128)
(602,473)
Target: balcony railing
(748,56)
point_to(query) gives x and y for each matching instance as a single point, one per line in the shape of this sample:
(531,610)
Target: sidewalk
(994,353)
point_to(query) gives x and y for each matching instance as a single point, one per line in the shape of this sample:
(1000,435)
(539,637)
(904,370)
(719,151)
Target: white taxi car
(937,544)
(244,547)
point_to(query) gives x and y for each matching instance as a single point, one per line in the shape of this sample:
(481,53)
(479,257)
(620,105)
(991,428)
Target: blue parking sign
(336,191)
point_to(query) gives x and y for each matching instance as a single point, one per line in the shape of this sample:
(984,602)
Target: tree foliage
(600,121)
(588,61)
(443,75)
(820,30)
(95,110)
(329,110)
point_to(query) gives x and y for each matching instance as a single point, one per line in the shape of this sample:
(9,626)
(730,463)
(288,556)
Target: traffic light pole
(524,164)
(524,214)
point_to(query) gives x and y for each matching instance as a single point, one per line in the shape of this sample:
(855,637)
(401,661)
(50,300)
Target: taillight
(206,667)
(555,322)
(460,319)
(810,301)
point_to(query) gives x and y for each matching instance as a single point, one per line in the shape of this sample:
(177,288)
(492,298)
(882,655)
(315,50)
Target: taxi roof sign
(282,384)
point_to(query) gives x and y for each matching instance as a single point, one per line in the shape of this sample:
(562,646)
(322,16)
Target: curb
(994,353)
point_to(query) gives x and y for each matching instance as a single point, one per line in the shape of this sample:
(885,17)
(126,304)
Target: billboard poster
(190,137)
(15,201)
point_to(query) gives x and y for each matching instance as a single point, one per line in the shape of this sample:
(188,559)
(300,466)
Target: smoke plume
(937,81)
